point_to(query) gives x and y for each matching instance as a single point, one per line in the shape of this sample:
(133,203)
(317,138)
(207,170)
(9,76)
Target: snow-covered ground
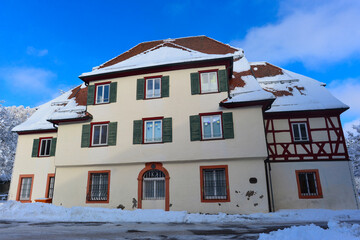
(338,226)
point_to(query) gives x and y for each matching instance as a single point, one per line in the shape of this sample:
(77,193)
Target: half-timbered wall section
(324,139)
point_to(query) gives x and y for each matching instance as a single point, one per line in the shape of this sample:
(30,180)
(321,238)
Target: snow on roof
(69,105)
(294,92)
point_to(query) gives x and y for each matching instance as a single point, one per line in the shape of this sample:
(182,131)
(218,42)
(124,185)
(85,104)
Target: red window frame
(318,184)
(217,78)
(39,147)
(21,176)
(202,168)
(201,126)
(145,85)
(143,130)
(307,131)
(88,187)
(50,175)
(91,133)
(95,94)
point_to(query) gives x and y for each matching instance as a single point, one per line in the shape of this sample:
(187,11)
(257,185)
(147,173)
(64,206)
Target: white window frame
(211,122)
(25,192)
(101,129)
(47,147)
(155,191)
(153,131)
(153,89)
(298,124)
(102,100)
(202,75)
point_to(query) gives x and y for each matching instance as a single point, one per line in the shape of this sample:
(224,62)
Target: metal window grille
(25,188)
(300,132)
(45,147)
(51,187)
(214,184)
(99,186)
(154,185)
(308,185)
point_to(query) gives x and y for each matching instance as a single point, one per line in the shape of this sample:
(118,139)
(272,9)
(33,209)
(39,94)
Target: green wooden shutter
(195,84)
(195,128)
(228,125)
(112,133)
(35,148)
(165,86)
(113,91)
(85,137)
(137,132)
(53,146)
(91,95)
(167,130)
(223,80)
(140,89)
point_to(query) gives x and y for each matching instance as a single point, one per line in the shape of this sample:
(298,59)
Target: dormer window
(102,93)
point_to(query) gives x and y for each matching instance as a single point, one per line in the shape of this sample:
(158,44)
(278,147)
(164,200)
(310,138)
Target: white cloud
(322,33)
(36,52)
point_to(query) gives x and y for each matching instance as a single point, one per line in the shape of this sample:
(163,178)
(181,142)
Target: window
(102,93)
(214,184)
(211,126)
(154,185)
(209,82)
(153,131)
(50,186)
(45,145)
(153,88)
(25,188)
(300,132)
(308,183)
(99,134)
(98,186)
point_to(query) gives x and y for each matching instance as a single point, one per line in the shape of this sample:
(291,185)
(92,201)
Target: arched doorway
(153,187)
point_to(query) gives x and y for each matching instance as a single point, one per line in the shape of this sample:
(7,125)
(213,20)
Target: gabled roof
(69,106)
(164,52)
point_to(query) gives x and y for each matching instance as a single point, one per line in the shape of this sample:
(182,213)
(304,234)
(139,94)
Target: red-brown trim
(143,129)
(202,183)
(50,175)
(318,184)
(21,176)
(91,132)
(89,185)
(96,85)
(151,166)
(40,139)
(305,113)
(201,126)
(227,61)
(217,79)
(37,131)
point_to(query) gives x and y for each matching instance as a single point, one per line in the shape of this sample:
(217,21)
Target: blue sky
(46,45)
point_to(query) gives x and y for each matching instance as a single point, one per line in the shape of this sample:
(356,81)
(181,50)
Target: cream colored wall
(25,164)
(71,182)
(249,138)
(335,179)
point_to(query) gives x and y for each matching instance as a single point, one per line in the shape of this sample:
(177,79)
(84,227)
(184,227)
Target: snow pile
(9,118)
(336,231)
(12,210)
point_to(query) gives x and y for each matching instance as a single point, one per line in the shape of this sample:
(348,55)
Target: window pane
(220,183)
(213,82)
(303,132)
(149,131)
(160,189)
(25,188)
(303,183)
(209,184)
(47,148)
(99,93)
(42,148)
(149,189)
(104,134)
(312,183)
(99,186)
(51,187)
(206,127)
(150,88)
(158,131)
(96,139)
(106,93)
(157,88)
(216,126)
(204,82)
(296,132)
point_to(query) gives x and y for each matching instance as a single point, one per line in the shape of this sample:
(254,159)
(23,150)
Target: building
(187,124)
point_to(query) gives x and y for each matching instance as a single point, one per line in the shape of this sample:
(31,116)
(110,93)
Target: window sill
(101,103)
(205,93)
(146,143)
(44,156)
(96,146)
(310,197)
(212,139)
(214,200)
(89,201)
